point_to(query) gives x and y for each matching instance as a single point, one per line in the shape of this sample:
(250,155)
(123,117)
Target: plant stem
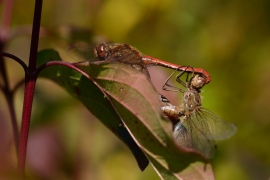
(35,36)
(30,82)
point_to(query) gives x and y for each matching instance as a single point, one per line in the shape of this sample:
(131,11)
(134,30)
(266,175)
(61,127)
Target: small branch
(15,58)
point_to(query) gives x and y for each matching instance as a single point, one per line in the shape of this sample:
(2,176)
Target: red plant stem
(67,64)
(30,82)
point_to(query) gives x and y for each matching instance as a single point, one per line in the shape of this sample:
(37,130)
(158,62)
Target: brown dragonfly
(198,128)
(124,53)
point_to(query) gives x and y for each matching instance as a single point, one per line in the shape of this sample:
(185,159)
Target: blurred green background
(230,39)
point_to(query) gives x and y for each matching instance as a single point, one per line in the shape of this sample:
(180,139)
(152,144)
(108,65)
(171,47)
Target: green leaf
(47,55)
(92,97)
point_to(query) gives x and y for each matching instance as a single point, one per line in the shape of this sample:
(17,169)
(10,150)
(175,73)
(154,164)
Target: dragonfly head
(102,51)
(197,82)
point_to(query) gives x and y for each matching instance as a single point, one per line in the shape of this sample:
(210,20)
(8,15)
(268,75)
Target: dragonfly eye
(197,82)
(102,51)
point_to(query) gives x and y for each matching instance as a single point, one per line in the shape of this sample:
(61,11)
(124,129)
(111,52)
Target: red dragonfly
(198,127)
(124,53)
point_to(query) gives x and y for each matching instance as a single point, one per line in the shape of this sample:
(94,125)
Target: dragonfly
(197,128)
(125,53)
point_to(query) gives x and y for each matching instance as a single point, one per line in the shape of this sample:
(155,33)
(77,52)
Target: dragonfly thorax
(191,101)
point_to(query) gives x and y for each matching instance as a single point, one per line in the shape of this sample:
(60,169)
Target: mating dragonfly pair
(197,128)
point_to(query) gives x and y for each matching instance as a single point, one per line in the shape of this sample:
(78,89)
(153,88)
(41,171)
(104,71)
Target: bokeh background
(230,39)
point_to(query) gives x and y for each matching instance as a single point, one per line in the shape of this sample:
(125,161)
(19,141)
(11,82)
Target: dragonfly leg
(188,80)
(168,87)
(147,73)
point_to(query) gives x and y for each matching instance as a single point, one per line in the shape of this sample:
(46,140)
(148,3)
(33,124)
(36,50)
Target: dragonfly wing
(218,128)
(82,52)
(200,135)
(181,136)
(125,54)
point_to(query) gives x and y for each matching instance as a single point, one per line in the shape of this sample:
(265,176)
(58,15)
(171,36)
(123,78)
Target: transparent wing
(198,134)
(218,128)
(181,136)
(81,52)
(201,129)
